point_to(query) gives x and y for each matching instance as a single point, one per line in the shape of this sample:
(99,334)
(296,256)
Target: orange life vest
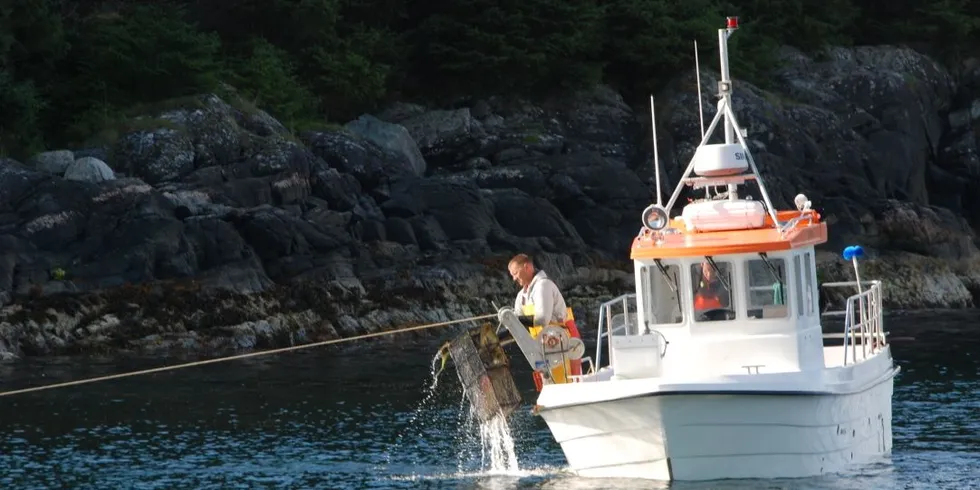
(705,302)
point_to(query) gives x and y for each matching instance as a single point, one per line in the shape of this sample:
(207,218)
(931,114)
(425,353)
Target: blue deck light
(853,252)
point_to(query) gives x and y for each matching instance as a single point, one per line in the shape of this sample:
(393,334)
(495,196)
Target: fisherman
(537,291)
(539,303)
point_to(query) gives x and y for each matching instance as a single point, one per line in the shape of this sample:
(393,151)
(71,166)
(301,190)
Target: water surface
(363,416)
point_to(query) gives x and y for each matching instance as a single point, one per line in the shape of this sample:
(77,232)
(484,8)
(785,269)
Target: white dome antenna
(720,160)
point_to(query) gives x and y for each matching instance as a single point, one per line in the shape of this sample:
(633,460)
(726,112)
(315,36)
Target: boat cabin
(724,301)
(727,287)
(722,308)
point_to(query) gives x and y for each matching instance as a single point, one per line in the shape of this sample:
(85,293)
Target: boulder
(52,162)
(89,169)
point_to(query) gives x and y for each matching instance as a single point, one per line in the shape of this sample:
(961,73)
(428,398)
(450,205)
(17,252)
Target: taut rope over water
(250,354)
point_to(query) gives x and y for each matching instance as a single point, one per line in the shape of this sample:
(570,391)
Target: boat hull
(706,436)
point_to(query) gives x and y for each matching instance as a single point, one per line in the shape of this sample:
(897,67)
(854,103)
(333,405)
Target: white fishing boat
(717,364)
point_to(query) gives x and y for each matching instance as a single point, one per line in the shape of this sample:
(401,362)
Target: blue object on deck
(853,252)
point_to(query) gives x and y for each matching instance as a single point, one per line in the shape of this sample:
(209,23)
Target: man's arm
(525,320)
(544,302)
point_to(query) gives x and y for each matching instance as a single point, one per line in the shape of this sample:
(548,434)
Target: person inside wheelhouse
(712,291)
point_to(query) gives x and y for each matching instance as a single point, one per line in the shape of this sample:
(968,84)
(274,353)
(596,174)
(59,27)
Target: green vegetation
(71,70)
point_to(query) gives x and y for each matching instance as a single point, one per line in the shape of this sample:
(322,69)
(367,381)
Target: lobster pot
(484,371)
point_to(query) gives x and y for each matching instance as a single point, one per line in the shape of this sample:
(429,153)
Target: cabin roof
(699,244)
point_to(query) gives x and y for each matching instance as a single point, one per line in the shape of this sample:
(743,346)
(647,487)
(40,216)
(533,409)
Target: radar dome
(720,160)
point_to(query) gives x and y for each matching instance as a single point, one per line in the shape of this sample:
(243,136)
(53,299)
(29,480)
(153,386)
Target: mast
(725,84)
(732,129)
(725,89)
(656,217)
(697,72)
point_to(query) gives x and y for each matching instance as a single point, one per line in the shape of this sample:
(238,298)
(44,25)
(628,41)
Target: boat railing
(789,225)
(862,320)
(615,317)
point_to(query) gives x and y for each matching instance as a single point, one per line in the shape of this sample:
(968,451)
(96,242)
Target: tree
(345,60)
(266,76)
(20,132)
(649,41)
(134,55)
(948,27)
(484,46)
(68,68)
(32,42)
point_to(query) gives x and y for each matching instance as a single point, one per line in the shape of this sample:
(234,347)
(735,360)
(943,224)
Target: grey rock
(53,162)
(393,137)
(89,169)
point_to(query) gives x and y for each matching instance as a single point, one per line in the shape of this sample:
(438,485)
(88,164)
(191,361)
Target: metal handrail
(605,321)
(866,305)
(615,330)
(789,225)
(841,284)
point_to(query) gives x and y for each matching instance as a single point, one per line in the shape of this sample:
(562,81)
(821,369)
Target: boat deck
(833,355)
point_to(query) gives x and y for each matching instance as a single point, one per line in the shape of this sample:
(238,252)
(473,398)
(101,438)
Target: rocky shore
(206,226)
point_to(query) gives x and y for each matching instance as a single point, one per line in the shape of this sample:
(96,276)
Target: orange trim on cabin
(698,244)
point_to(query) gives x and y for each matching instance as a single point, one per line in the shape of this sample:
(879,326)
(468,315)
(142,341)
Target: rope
(243,356)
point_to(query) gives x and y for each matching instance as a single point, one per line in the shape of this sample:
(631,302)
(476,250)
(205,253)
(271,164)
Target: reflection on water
(365,417)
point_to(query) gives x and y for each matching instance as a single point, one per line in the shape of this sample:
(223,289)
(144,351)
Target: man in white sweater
(537,290)
(540,299)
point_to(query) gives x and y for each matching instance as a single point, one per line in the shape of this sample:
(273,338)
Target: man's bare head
(707,272)
(521,269)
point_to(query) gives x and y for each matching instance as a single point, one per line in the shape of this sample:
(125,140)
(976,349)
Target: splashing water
(493,440)
(481,447)
(430,392)
(498,446)
(421,416)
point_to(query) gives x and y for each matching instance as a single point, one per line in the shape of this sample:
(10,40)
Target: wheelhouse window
(799,277)
(712,291)
(767,291)
(805,300)
(809,298)
(663,294)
